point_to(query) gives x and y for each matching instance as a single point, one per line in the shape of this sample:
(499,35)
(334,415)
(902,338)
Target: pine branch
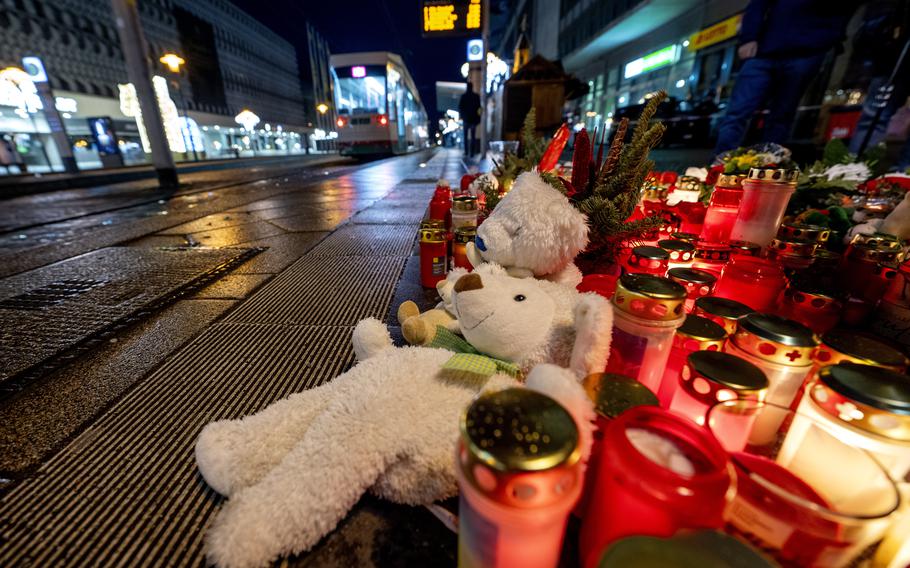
(615,149)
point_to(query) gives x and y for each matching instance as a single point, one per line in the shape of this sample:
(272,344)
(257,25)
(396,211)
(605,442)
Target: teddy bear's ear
(571,224)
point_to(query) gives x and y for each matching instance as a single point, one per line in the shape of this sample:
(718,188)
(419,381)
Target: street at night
(474,283)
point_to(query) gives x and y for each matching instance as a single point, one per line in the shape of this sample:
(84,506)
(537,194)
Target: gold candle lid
(745,247)
(876,240)
(713,376)
(804,249)
(870,398)
(509,437)
(871,253)
(433,224)
(689,183)
(649,252)
(685,276)
(652,191)
(688,237)
(839,345)
(775,339)
(699,334)
(679,251)
(464,203)
(730,181)
(722,310)
(649,297)
(613,394)
(432,235)
(465,234)
(803,232)
(773,175)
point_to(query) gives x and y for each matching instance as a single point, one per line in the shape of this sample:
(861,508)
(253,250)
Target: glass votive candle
(744,248)
(463,236)
(803,513)
(657,473)
(816,310)
(681,253)
(612,395)
(517,482)
(464,211)
(709,377)
(723,311)
(858,266)
(648,310)
(842,345)
(754,280)
(695,334)
(766,193)
(645,259)
(864,406)
(698,283)
(783,350)
(722,208)
(711,257)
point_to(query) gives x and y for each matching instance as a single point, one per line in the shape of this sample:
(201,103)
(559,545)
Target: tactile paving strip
(53,309)
(325,291)
(368,240)
(126,491)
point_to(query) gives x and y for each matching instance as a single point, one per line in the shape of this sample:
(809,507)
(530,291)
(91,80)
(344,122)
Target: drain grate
(126,491)
(50,312)
(368,240)
(50,295)
(324,291)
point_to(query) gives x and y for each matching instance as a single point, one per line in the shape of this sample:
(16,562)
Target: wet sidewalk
(123,489)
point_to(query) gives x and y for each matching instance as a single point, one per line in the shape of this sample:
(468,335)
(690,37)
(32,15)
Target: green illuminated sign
(654,60)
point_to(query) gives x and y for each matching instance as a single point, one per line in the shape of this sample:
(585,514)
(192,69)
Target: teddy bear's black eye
(519,298)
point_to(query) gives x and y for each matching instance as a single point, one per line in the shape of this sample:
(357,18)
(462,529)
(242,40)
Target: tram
(378,107)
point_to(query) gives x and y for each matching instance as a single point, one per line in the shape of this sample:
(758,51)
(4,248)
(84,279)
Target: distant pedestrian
(470,111)
(783,44)
(880,41)
(9,156)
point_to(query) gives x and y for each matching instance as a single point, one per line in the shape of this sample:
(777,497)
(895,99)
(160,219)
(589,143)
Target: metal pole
(135,53)
(485,12)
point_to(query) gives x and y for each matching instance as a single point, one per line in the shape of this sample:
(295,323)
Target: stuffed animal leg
(593,333)
(233,454)
(420,328)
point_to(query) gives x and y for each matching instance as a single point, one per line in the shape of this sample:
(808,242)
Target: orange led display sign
(451,18)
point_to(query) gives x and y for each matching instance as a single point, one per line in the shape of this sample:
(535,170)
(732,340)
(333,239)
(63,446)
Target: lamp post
(173,62)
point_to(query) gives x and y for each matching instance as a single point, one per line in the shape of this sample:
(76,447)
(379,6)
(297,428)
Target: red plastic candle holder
(635,495)
(754,280)
(646,259)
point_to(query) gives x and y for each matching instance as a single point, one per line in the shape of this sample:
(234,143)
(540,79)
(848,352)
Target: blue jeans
(775,84)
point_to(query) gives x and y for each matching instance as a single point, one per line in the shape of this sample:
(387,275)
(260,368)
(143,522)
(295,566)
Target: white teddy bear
(295,469)
(533,231)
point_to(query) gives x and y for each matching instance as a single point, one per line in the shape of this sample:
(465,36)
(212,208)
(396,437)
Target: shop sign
(654,60)
(715,34)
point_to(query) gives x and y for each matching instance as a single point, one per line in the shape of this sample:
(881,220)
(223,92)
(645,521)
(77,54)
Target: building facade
(232,63)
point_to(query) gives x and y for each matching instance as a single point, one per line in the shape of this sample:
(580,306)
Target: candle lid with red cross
(714,252)
(840,345)
(775,339)
(870,398)
(649,297)
(714,376)
(508,436)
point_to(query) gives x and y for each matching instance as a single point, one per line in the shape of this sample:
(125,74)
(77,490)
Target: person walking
(782,44)
(881,42)
(10,156)
(469,109)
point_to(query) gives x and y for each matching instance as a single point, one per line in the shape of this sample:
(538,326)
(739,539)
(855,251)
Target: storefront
(191,135)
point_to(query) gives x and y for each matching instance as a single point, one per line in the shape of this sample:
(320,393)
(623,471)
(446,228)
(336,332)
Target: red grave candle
(754,280)
(722,208)
(646,259)
(697,283)
(695,334)
(657,473)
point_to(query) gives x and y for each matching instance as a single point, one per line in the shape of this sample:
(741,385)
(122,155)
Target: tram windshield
(360,89)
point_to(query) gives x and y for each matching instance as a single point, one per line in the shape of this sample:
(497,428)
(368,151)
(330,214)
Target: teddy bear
(388,425)
(534,231)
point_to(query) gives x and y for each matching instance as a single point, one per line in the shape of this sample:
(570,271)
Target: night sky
(361,25)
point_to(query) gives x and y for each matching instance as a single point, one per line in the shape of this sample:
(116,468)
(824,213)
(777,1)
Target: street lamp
(322,108)
(173,62)
(248,120)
